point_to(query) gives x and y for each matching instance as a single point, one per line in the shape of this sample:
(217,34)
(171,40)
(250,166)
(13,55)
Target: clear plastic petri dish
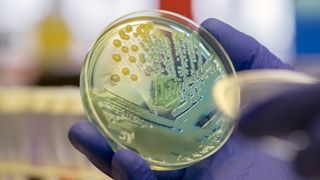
(146,83)
(254,87)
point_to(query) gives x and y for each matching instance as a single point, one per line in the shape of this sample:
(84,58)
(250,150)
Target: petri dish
(146,83)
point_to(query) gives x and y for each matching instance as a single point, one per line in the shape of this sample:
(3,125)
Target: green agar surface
(147,84)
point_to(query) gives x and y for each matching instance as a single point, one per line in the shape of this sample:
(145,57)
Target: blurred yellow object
(34,123)
(54,40)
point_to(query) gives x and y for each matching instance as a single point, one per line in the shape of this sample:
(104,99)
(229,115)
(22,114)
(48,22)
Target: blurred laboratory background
(43,44)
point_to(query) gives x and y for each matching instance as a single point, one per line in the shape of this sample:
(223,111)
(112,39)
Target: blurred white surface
(271,22)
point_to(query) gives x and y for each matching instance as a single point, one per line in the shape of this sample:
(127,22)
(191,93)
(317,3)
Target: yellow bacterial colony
(131,54)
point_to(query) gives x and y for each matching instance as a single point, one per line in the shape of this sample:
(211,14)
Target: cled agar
(146,83)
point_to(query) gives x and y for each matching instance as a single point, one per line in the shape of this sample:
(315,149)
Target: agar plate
(146,83)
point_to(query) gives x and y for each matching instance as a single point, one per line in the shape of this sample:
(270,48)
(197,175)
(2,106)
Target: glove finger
(128,165)
(308,160)
(85,137)
(244,51)
(282,114)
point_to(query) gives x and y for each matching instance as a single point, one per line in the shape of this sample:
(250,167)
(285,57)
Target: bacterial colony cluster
(148,84)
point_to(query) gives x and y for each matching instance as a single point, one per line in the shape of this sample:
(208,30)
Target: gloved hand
(237,159)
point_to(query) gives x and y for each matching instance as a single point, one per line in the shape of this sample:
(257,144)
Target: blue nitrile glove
(237,159)
(298,109)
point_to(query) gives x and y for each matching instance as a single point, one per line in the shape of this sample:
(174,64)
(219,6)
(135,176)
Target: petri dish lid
(146,83)
(254,87)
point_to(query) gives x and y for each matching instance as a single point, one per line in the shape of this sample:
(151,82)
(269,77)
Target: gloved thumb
(128,165)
